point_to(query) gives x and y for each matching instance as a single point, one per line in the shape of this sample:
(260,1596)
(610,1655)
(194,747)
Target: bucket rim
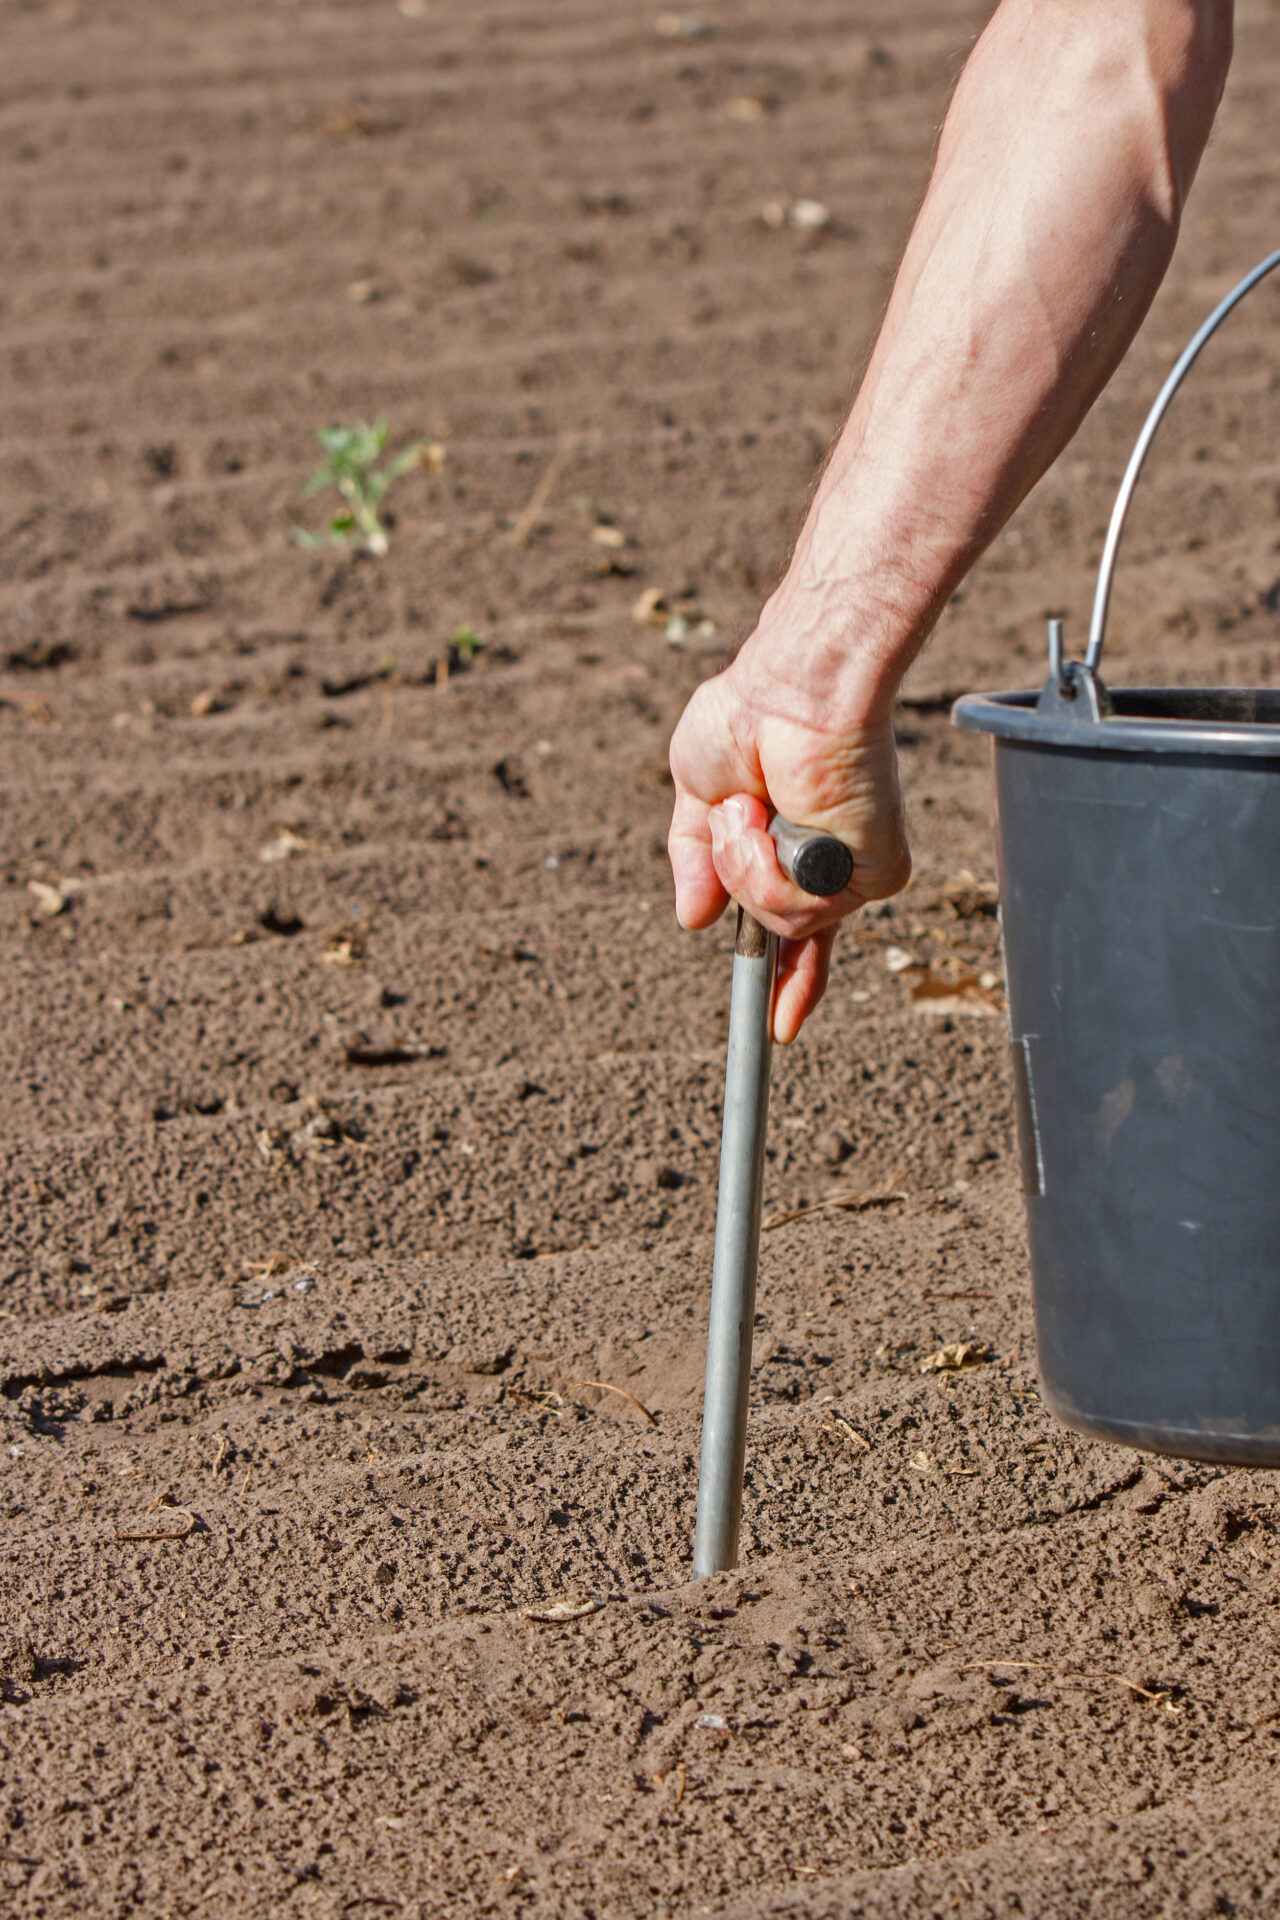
(1014,716)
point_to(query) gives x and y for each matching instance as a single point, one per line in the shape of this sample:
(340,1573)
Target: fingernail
(725,820)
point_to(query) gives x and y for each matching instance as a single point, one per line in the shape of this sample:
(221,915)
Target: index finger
(700,896)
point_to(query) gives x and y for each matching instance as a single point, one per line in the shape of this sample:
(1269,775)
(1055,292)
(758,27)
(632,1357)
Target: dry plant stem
(524,526)
(850,1203)
(605,1387)
(179,1513)
(1069,1673)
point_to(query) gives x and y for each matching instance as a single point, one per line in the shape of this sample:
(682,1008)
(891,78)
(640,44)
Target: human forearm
(1064,162)
(1053,209)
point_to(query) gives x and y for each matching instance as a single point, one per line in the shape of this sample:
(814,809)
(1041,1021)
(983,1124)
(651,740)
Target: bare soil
(362,1096)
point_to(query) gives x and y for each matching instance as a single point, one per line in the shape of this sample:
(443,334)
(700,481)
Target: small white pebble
(551,863)
(897,959)
(681,26)
(713,1720)
(809,215)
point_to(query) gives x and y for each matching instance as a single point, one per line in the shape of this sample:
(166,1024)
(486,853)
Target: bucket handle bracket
(1073,690)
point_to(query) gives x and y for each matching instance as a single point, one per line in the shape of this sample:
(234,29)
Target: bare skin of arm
(1066,156)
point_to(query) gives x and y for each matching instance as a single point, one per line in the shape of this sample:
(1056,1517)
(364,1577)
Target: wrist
(830,656)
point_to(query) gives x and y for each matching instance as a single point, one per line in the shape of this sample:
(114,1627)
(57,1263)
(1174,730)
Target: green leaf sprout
(352,465)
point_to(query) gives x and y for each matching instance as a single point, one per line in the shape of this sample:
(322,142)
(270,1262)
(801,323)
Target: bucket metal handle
(1182,366)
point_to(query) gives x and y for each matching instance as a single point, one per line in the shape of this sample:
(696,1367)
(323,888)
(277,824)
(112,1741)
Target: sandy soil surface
(362,1096)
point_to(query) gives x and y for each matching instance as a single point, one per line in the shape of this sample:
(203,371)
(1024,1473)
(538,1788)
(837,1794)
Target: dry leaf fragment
(651,609)
(271,1268)
(953,1358)
(554,1612)
(970,898)
(921,1463)
(681,26)
(51,900)
(838,1426)
(932,993)
(286,844)
(360,1051)
(343,948)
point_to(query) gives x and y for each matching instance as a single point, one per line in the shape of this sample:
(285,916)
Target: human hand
(749,744)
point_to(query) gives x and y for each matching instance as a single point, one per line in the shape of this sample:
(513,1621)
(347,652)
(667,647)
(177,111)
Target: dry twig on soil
(839,1428)
(841,1203)
(605,1387)
(528,520)
(1160,1696)
(179,1513)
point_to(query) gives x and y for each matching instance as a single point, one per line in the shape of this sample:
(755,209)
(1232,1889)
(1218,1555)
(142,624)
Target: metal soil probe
(823,867)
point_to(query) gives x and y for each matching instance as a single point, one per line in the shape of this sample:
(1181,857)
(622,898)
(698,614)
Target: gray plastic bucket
(1138,843)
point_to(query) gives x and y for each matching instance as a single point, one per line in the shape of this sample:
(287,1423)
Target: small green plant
(465,644)
(352,456)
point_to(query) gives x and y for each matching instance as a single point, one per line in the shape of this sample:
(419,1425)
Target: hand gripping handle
(812,861)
